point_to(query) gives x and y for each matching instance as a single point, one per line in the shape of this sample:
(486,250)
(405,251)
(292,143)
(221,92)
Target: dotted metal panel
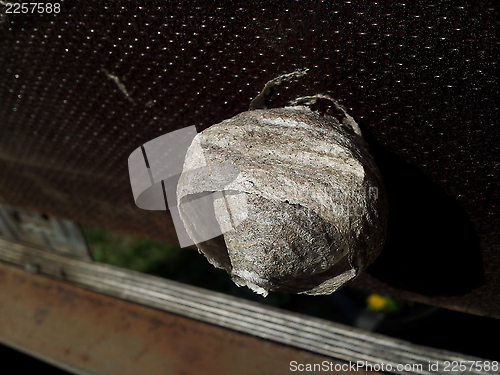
(83,88)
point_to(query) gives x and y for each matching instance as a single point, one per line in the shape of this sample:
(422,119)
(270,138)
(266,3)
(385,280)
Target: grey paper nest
(296,195)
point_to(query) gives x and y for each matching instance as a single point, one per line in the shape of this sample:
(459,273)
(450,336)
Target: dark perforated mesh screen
(81,89)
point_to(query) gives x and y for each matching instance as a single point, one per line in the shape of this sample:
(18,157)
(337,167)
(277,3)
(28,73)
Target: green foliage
(127,251)
(168,261)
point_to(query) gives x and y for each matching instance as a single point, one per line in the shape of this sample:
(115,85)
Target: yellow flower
(376,301)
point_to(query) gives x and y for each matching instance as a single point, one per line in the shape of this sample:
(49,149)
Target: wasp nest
(298,199)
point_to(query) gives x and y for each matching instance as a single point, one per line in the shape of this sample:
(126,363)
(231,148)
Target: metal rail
(312,334)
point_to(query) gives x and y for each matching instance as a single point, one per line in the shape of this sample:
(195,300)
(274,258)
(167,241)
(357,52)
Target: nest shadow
(431,245)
